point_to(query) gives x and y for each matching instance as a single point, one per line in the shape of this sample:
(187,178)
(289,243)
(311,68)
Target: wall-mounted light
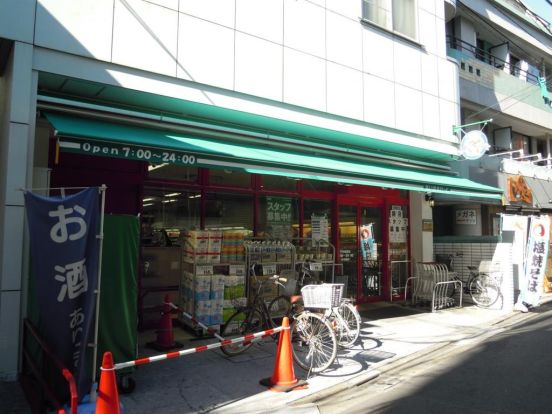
(430,200)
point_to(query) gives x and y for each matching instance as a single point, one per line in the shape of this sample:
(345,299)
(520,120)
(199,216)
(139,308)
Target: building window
(395,15)
(229,178)
(278,217)
(166,211)
(318,208)
(172,172)
(276,182)
(225,211)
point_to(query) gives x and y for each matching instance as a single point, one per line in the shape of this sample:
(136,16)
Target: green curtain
(118,321)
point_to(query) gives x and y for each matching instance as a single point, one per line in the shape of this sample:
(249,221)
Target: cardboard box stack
(214,248)
(217,299)
(209,296)
(232,246)
(234,291)
(202,246)
(195,246)
(203,295)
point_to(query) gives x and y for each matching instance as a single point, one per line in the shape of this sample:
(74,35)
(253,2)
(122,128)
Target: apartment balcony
(489,81)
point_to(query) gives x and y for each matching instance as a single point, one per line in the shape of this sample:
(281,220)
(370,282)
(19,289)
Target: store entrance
(361,250)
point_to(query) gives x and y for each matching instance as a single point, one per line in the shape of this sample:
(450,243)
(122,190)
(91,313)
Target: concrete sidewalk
(391,333)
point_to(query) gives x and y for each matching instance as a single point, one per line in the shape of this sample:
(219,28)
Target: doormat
(390,311)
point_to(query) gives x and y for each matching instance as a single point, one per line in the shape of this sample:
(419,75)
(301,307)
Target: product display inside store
(205,234)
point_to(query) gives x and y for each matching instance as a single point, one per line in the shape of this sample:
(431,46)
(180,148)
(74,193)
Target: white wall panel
(145,36)
(262,18)
(17,147)
(408,107)
(447,80)
(305,27)
(170,4)
(426,31)
(379,101)
(10,305)
(17,19)
(205,52)
(218,11)
(441,37)
(344,41)
(408,65)
(449,114)
(377,52)
(81,27)
(439,8)
(304,80)
(430,72)
(345,93)
(321,3)
(348,8)
(428,5)
(431,115)
(20,87)
(12,239)
(258,67)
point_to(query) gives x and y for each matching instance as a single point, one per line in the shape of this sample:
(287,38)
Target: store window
(394,15)
(316,208)
(279,217)
(318,185)
(228,211)
(166,212)
(172,172)
(276,182)
(229,178)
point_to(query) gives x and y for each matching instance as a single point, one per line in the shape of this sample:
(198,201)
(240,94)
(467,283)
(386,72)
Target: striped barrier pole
(197,349)
(195,321)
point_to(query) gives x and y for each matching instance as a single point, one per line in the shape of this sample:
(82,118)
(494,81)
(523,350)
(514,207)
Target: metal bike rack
(430,286)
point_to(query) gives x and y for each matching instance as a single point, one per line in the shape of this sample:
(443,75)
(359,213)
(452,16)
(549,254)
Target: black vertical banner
(64,251)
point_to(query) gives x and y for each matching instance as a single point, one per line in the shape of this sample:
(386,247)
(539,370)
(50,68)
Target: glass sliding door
(361,251)
(371,255)
(348,248)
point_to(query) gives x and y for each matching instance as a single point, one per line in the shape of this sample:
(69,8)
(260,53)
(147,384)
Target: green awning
(95,137)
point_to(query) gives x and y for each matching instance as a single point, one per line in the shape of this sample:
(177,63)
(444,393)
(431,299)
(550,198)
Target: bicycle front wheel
(347,324)
(239,324)
(314,343)
(484,291)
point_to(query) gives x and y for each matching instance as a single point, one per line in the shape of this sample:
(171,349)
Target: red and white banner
(535,259)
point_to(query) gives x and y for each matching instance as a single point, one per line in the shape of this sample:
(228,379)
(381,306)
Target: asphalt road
(510,372)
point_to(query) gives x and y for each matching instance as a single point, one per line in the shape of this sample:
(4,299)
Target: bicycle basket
(324,296)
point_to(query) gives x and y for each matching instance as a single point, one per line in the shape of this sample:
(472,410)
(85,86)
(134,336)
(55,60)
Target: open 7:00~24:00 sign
(140,154)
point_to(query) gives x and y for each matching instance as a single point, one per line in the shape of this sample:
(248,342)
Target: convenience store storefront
(213,173)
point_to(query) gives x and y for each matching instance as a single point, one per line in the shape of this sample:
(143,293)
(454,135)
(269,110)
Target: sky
(541,7)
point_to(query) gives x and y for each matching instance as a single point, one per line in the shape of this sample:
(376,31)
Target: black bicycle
(280,306)
(253,317)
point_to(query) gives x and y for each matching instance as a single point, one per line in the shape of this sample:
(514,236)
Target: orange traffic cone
(165,337)
(283,377)
(108,395)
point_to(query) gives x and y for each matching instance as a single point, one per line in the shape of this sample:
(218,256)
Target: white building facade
(368,80)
